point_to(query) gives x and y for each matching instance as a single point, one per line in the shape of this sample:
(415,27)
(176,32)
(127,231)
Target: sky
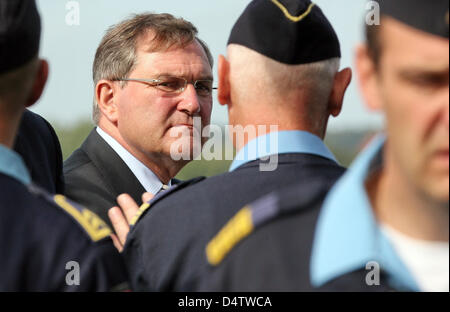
(69,46)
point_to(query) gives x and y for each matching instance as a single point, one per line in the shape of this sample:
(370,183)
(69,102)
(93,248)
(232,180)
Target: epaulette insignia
(240,226)
(262,211)
(95,227)
(141,210)
(163,193)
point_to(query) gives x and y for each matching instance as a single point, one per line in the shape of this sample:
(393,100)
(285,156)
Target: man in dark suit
(278,78)
(39,147)
(384,226)
(152,78)
(47,243)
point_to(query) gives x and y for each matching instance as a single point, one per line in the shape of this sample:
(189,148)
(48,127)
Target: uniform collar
(282,142)
(145,176)
(348,236)
(11,164)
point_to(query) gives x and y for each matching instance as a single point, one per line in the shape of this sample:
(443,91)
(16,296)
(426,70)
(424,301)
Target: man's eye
(203,87)
(428,81)
(170,84)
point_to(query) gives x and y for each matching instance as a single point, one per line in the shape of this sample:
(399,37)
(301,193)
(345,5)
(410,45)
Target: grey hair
(116,54)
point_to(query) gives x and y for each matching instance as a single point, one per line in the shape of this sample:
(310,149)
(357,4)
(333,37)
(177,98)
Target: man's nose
(189,103)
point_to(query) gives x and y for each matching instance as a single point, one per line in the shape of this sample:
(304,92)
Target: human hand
(122,215)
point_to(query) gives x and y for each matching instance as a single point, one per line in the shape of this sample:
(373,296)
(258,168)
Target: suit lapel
(115,173)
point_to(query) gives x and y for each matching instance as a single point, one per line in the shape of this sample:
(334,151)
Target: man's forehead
(182,61)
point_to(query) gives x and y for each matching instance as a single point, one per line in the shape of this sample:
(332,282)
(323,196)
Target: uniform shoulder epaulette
(91,224)
(164,193)
(267,208)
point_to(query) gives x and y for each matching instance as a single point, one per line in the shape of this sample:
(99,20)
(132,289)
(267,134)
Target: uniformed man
(39,147)
(46,242)
(282,70)
(385,223)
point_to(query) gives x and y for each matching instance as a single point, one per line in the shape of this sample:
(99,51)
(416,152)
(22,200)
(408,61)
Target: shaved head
(255,77)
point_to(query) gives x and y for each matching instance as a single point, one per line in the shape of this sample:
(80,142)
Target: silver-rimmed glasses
(172,84)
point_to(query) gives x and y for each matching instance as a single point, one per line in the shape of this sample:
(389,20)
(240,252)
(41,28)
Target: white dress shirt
(145,176)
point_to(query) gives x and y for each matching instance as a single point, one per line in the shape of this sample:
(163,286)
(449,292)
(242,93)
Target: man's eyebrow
(425,73)
(202,77)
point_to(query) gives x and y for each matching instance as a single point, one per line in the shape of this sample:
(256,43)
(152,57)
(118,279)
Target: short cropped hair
(116,54)
(256,73)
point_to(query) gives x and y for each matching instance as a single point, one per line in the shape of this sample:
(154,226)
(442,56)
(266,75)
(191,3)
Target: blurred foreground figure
(47,243)
(385,223)
(39,147)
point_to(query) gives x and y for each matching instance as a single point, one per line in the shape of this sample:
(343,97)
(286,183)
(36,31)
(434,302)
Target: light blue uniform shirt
(11,164)
(282,142)
(348,236)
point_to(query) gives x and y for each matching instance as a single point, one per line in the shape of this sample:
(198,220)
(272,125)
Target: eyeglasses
(170,84)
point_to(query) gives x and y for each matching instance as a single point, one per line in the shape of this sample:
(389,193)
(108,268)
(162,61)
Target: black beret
(20,30)
(288,31)
(431,16)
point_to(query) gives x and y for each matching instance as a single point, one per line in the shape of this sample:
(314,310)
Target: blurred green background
(344,145)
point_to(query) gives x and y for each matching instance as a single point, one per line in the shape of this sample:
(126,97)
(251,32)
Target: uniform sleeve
(71,249)
(65,258)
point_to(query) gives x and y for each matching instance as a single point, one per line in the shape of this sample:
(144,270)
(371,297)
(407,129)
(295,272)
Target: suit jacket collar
(116,174)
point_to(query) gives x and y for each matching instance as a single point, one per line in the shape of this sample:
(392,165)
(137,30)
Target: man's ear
(223,93)
(39,83)
(367,77)
(105,90)
(341,82)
